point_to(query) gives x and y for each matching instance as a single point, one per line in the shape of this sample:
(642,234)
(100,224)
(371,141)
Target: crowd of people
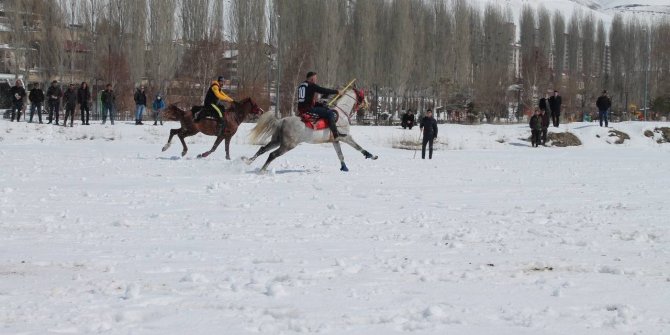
(72,97)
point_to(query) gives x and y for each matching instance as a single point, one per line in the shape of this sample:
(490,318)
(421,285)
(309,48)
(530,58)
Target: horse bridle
(353,110)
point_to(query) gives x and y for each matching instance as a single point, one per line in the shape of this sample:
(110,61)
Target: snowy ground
(101,232)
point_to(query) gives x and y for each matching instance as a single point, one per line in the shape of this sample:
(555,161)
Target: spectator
(84,100)
(140,105)
(535,128)
(36,98)
(555,106)
(158,106)
(54,94)
(545,126)
(108,98)
(70,103)
(603,103)
(407,120)
(544,103)
(429,127)
(18,94)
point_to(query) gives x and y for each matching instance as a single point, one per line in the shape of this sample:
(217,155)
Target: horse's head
(361,99)
(248,106)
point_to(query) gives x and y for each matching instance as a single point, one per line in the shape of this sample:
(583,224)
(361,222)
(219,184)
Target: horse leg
(182,135)
(262,150)
(349,140)
(216,144)
(228,148)
(338,149)
(282,150)
(172,133)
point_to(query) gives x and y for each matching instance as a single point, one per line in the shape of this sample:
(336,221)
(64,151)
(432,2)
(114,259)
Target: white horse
(288,132)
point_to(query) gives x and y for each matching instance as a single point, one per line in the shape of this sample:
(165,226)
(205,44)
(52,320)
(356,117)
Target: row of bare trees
(409,53)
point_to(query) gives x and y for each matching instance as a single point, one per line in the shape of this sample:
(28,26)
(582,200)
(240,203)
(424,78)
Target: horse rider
(307,102)
(212,103)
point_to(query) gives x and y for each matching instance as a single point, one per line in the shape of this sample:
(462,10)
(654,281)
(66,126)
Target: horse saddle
(315,122)
(200,112)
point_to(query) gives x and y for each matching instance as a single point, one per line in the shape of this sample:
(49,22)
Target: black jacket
(70,99)
(140,98)
(107,98)
(17,93)
(54,93)
(544,105)
(36,96)
(603,103)
(429,126)
(83,96)
(545,120)
(535,122)
(555,104)
(306,91)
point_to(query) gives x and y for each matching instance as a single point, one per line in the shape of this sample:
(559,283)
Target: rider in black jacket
(429,128)
(307,101)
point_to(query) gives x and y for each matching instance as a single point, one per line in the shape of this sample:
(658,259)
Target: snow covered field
(101,232)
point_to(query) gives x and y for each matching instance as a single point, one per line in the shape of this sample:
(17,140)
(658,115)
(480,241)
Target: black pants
(427,140)
(555,118)
(38,107)
(69,110)
(54,110)
(328,115)
(17,107)
(544,135)
(85,113)
(535,137)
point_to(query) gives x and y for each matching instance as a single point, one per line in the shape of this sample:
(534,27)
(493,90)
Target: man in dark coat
(70,103)
(545,126)
(555,106)
(429,128)
(54,94)
(36,98)
(84,100)
(603,103)
(108,98)
(408,120)
(140,105)
(544,103)
(18,94)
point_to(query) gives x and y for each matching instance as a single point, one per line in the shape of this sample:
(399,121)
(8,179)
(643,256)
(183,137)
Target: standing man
(429,128)
(18,93)
(544,103)
(545,126)
(107,98)
(603,103)
(70,103)
(555,106)
(53,95)
(140,105)
(36,98)
(84,100)
(307,102)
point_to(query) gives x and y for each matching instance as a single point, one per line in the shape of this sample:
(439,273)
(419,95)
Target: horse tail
(266,126)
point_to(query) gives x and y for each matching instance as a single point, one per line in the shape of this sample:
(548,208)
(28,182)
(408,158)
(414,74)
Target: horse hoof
(203,155)
(227,157)
(344,168)
(183,153)
(165,147)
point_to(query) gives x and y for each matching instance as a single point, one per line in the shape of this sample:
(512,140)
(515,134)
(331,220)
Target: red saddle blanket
(313,122)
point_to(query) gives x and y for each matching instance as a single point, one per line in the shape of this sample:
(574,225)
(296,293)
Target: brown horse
(233,117)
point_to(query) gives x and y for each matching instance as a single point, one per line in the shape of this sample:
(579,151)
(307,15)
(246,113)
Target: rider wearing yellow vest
(212,98)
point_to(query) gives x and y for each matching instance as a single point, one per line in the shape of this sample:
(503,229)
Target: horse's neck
(346,102)
(240,114)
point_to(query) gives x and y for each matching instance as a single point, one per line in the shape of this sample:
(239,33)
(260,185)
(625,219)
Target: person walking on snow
(54,94)
(428,127)
(535,128)
(70,102)
(545,126)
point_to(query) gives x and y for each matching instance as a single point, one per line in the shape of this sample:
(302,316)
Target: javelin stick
(341,91)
